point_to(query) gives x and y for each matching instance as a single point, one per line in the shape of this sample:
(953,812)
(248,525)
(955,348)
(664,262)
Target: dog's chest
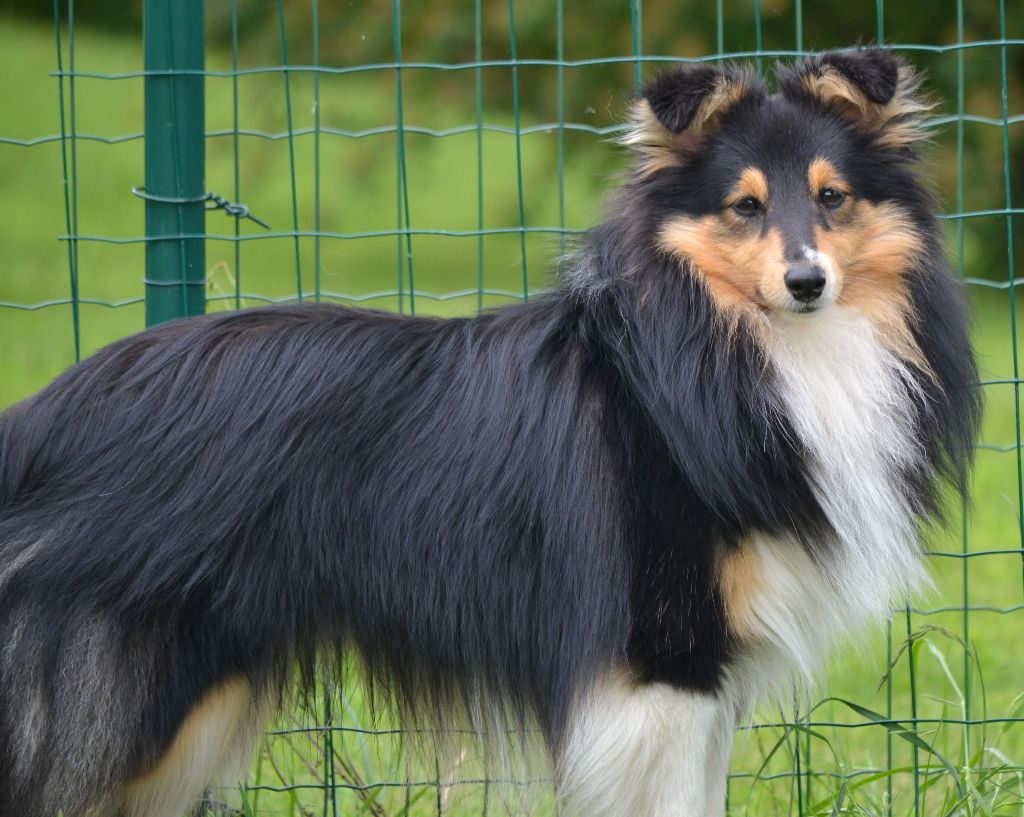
(851,405)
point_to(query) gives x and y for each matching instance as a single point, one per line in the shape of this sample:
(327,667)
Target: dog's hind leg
(213,743)
(646,749)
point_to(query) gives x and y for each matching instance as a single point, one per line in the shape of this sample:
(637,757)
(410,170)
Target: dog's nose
(805,283)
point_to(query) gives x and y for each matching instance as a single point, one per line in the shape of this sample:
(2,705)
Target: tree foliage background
(442,31)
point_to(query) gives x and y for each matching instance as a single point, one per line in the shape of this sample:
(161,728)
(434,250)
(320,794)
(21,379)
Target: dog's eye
(747,206)
(831,197)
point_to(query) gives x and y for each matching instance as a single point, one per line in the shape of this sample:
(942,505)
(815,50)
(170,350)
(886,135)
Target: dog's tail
(66,693)
(103,710)
(102,717)
(70,701)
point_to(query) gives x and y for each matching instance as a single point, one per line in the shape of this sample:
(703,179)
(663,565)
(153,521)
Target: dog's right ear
(678,108)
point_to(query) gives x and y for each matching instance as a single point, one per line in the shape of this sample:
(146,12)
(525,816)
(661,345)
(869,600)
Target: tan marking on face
(740,580)
(743,270)
(895,124)
(867,252)
(821,173)
(219,731)
(875,246)
(752,183)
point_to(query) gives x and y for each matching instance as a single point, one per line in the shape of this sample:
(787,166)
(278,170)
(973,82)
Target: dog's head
(787,202)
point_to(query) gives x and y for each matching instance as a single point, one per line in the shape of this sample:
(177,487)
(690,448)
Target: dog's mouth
(798,310)
(807,306)
(807,309)
(791,306)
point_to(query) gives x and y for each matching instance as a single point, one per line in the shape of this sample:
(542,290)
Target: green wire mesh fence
(439,159)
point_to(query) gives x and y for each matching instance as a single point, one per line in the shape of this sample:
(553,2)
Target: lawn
(956,667)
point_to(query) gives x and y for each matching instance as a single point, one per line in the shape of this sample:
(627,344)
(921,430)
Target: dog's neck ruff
(851,403)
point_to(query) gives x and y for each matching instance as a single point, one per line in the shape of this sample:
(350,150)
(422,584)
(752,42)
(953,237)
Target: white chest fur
(661,751)
(850,403)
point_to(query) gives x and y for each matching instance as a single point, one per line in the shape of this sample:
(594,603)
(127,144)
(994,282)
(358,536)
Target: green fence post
(175,164)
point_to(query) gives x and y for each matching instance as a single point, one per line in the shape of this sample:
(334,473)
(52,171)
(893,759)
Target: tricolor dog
(617,514)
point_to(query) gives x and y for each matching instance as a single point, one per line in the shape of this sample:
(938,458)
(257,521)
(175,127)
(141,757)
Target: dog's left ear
(876,91)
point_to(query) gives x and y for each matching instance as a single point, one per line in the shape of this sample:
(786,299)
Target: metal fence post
(175,159)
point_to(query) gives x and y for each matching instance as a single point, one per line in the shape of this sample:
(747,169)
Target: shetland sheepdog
(618,513)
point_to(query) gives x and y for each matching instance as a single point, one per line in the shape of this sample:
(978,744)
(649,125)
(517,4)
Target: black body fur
(506,505)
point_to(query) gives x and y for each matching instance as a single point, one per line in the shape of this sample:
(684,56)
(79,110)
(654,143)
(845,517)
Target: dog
(618,513)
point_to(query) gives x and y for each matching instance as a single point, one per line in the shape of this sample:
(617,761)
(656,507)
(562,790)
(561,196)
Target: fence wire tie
(238,210)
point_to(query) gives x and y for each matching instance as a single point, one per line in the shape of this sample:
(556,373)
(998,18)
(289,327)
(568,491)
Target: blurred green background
(525,155)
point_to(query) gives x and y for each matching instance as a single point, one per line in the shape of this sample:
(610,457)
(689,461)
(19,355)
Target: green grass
(963,668)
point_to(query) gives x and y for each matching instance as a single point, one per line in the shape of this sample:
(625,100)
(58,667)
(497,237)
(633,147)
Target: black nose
(805,283)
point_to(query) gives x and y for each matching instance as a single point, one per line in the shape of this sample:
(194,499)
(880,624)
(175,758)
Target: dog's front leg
(646,749)
(717,768)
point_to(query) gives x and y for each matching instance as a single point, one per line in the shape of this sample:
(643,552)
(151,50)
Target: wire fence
(444,167)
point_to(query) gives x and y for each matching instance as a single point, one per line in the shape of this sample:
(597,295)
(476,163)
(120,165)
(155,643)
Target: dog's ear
(878,92)
(679,108)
